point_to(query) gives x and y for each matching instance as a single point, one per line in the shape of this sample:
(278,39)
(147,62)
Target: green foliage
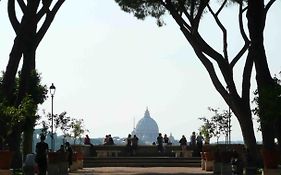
(70,127)
(12,116)
(61,122)
(157,8)
(22,116)
(38,92)
(271,100)
(78,129)
(143,8)
(207,129)
(217,125)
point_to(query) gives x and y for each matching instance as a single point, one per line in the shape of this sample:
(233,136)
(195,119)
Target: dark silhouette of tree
(188,15)
(28,37)
(29,34)
(268,96)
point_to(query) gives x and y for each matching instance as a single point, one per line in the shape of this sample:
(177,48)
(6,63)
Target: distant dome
(147,129)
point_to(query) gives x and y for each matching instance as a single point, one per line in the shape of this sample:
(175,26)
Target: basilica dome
(147,129)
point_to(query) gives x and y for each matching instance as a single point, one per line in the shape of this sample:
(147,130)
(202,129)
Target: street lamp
(229,125)
(52,92)
(228,137)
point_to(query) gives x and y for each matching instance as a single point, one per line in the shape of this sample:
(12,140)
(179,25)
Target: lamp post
(229,125)
(228,137)
(52,92)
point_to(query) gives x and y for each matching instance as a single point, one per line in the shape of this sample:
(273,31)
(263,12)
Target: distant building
(172,140)
(147,129)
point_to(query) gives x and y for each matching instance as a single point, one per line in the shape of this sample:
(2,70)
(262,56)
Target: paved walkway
(141,171)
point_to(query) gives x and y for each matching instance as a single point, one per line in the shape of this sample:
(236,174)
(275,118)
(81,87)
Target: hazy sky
(108,67)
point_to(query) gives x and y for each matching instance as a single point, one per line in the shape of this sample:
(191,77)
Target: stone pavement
(141,171)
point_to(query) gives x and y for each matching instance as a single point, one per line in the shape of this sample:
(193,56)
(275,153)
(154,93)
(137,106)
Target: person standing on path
(41,155)
(70,153)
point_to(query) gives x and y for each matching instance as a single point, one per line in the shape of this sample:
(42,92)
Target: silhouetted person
(87,140)
(69,152)
(199,142)
(61,150)
(41,155)
(183,143)
(160,143)
(193,143)
(166,141)
(129,144)
(135,141)
(192,139)
(110,140)
(106,140)
(29,164)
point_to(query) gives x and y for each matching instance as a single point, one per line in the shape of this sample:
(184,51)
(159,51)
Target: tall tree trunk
(28,66)
(14,145)
(256,23)
(24,88)
(8,81)
(27,140)
(249,138)
(278,133)
(26,72)
(241,109)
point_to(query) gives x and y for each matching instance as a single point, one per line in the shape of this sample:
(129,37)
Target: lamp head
(52,89)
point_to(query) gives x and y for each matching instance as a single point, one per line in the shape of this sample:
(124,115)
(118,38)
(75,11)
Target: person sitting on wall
(110,140)
(87,141)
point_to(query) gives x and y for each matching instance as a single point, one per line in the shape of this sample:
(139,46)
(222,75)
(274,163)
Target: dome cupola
(147,129)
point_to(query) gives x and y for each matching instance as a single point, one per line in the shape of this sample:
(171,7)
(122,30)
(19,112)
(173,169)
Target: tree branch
(268,5)
(247,73)
(189,17)
(221,7)
(46,24)
(12,16)
(244,36)
(202,6)
(215,80)
(44,10)
(22,5)
(180,21)
(223,31)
